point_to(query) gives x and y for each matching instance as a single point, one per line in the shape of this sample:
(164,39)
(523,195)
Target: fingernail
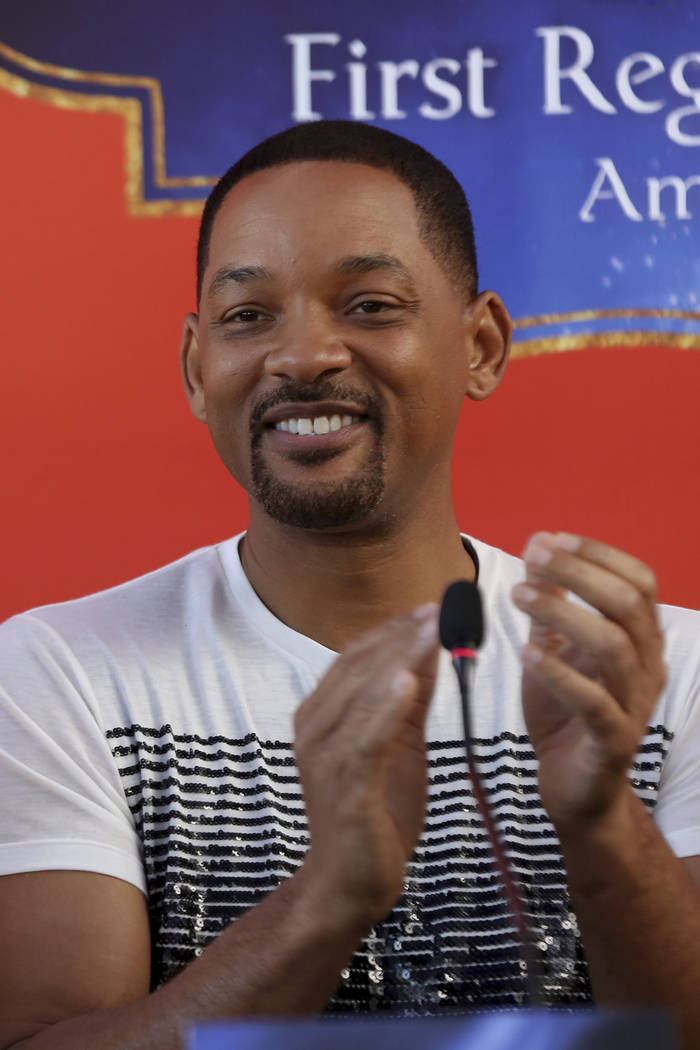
(522,592)
(538,539)
(427,630)
(530,654)
(400,683)
(428,611)
(567,541)
(536,555)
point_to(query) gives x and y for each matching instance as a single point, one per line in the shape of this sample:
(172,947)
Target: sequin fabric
(223,823)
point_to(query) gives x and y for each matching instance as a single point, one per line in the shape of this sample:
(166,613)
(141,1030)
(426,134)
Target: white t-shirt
(146,733)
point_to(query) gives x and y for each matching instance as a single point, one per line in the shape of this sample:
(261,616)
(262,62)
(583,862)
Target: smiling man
(213,813)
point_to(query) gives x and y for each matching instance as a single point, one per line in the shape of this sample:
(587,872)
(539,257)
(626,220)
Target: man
(164,861)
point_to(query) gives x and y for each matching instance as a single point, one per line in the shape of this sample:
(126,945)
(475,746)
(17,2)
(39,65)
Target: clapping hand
(591,673)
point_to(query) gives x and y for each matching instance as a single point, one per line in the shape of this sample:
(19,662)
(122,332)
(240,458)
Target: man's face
(330,355)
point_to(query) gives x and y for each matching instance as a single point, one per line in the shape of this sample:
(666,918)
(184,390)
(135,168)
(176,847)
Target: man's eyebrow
(236,275)
(350,265)
(358,264)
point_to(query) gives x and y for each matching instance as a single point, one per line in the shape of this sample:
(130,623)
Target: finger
(541,635)
(358,680)
(371,648)
(581,696)
(618,562)
(387,718)
(606,642)
(372,735)
(616,596)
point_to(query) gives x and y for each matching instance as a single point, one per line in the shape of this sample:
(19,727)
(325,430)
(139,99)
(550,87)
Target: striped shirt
(147,733)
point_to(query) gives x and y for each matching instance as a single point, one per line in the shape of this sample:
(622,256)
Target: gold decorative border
(587,340)
(131,111)
(592,340)
(595,315)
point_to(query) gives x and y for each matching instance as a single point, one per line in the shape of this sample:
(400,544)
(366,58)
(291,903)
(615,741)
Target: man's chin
(333,505)
(332,495)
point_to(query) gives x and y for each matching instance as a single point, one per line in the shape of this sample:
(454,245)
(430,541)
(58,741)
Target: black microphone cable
(461,633)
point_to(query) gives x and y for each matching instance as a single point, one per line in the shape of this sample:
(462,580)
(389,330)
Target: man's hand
(591,675)
(360,748)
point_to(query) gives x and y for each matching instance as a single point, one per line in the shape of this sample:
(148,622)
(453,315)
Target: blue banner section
(573,126)
(514,1030)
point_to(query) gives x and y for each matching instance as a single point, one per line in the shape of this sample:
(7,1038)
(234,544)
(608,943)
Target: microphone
(462,619)
(462,634)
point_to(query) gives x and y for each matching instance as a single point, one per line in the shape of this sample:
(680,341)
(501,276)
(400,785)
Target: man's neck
(332,586)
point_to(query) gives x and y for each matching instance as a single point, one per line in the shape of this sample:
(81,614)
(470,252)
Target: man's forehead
(348,213)
(292,187)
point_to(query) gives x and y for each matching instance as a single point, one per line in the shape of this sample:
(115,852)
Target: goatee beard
(322,504)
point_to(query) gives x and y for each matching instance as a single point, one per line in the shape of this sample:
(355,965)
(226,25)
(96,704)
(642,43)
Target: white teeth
(317,425)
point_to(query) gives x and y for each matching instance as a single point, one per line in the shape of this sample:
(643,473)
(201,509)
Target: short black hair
(445,221)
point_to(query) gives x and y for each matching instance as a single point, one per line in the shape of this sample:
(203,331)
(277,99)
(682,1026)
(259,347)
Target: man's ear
(491,330)
(191,367)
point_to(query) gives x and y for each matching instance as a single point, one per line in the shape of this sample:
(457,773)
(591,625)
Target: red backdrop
(106,475)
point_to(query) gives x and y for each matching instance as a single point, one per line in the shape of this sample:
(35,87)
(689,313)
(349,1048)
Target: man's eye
(372,306)
(245,316)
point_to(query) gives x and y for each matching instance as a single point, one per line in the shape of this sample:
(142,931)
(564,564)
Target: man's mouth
(306,425)
(298,418)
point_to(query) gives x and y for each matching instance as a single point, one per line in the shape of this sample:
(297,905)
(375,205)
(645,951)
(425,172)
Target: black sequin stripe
(181,841)
(439,882)
(657,730)
(194,738)
(216,772)
(198,788)
(525,780)
(187,825)
(524,755)
(142,747)
(246,892)
(461,814)
(517,803)
(436,842)
(434,745)
(192,822)
(275,848)
(446,803)
(504,808)
(225,835)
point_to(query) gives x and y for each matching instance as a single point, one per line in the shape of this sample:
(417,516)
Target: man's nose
(308,348)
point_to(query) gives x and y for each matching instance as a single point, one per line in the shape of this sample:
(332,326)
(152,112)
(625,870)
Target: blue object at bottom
(518,1030)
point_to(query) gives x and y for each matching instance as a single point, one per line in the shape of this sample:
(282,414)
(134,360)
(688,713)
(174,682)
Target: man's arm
(590,683)
(638,907)
(75,964)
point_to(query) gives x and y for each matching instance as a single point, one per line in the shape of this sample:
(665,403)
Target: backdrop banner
(586,113)
(575,130)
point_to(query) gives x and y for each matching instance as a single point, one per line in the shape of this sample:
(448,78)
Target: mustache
(325,390)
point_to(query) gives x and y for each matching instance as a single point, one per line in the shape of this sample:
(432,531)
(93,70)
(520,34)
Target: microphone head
(461,617)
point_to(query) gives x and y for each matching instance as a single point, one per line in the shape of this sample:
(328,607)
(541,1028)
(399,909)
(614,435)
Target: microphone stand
(463,660)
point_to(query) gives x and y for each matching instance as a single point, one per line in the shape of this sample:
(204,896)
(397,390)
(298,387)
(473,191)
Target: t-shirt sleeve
(63,806)
(677,812)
